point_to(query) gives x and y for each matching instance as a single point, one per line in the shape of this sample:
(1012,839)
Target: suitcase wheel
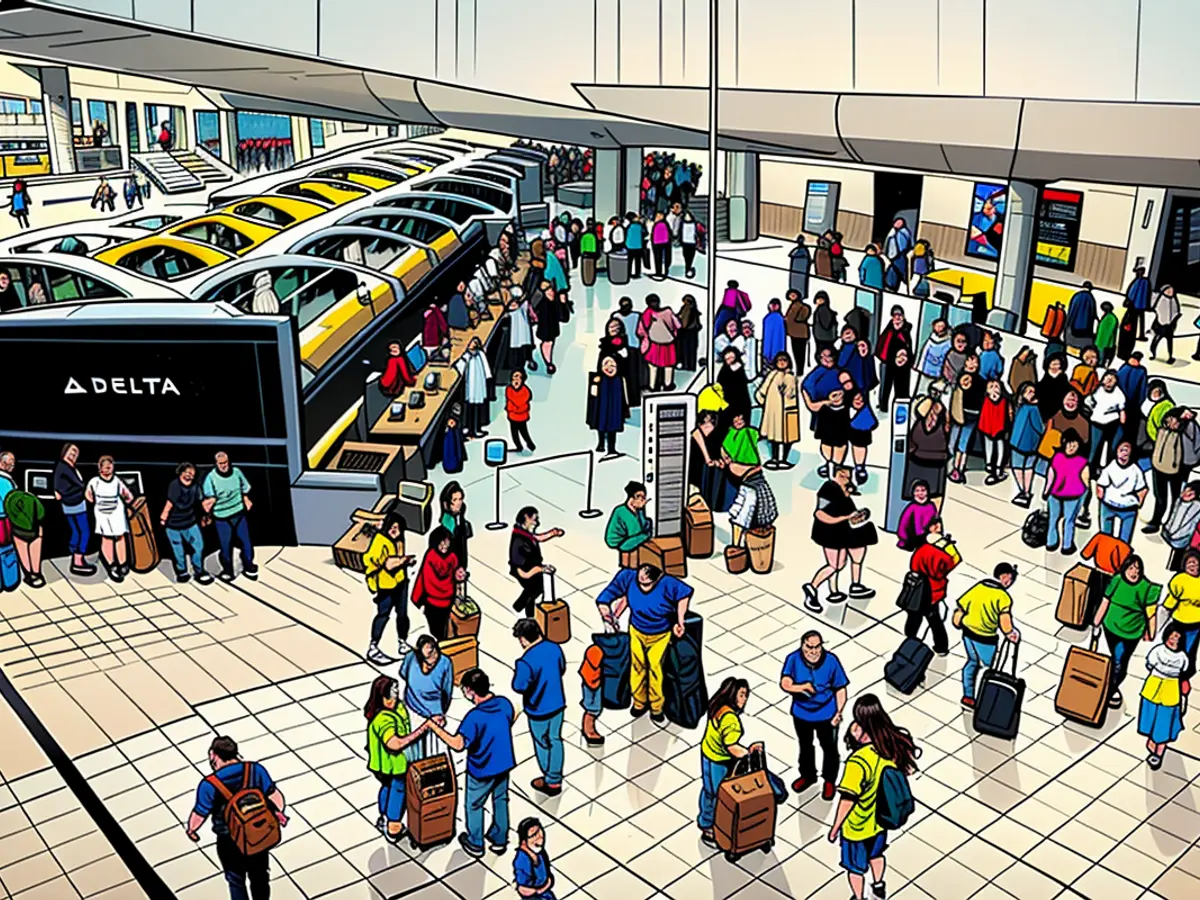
(766,848)
(732,857)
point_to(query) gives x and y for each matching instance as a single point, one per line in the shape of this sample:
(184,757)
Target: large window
(216,234)
(36,284)
(347,173)
(77,114)
(304,292)
(10,106)
(164,263)
(262,212)
(374,252)
(421,230)
(458,211)
(104,114)
(131,127)
(502,200)
(208,131)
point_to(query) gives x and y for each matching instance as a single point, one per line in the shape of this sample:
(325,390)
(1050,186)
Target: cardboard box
(1080,587)
(463,653)
(554,617)
(665,553)
(464,626)
(697,528)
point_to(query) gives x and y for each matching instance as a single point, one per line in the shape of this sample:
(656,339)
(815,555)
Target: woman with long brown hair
(721,747)
(877,744)
(389,731)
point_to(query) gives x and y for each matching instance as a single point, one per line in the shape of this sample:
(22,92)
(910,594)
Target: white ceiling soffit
(499,114)
(253,103)
(1118,143)
(120,45)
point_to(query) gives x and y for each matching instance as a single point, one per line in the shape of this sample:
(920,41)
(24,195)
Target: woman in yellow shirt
(877,744)
(1183,600)
(386,579)
(721,747)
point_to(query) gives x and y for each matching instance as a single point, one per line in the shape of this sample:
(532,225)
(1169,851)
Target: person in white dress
(520,330)
(473,367)
(108,495)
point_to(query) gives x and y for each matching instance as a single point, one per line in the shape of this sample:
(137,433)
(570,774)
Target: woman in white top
(1108,415)
(1164,695)
(689,238)
(109,495)
(520,330)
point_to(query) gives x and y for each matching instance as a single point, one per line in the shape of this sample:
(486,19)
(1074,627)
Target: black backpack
(1036,529)
(914,593)
(684,691)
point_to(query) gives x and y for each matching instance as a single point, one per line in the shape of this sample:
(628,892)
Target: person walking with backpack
(816,682)
(875,796)
(24,514)
(233,795)
(934,560)
(538,678)
(720,747)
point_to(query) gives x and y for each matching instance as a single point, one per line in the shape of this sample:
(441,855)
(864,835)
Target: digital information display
(821,206)
(111,380)
(1059,215)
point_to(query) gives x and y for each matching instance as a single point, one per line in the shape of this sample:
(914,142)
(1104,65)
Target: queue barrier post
(588,512)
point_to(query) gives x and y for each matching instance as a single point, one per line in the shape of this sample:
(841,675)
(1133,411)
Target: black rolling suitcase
(905,671)
(615,690)
(998,701)
(684,690)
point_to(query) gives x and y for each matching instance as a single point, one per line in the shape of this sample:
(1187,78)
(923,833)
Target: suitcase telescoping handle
(1008,650)
(754,761)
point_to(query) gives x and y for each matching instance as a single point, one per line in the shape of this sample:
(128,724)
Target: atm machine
(897,465)
(667,423)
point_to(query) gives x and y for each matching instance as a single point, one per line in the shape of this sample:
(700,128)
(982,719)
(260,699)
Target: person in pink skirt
(657,328)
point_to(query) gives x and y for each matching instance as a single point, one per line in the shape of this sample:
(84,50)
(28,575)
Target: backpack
(253,825)
(1055,321)
(914,593)
(893,799)
(1036,529)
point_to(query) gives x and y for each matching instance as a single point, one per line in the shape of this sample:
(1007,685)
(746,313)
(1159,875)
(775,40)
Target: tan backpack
(253,825)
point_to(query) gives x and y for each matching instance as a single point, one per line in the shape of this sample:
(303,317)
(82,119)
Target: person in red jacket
(934,559)
(517,397)
(433,591)
(994,420)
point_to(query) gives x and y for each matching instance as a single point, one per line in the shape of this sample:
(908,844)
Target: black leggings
(1165,486)
(520,430)
(438,619)
(385,603)
(912,627)
(531,590)
(1163,332)
(606,437)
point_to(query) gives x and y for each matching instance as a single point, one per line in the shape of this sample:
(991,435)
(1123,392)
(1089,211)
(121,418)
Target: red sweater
(435,581)
(516,402)
(935,564)
(993,418)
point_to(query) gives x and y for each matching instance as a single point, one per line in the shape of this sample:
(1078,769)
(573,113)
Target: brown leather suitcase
(744,819)
(555,619)
(432,795)
(1083,688)
(143,547)
(1082,590)
(697,528)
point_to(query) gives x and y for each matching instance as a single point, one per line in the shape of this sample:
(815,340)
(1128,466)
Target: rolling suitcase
(905,671)
(143,548)
(1083,688)
(998,702)
(553,615)
(1036,529)
(684,693)
(744,819)
(615,690)
(1082,591)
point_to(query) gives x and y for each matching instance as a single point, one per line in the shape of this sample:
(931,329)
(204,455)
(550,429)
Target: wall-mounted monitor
(1059,215)
(985,230)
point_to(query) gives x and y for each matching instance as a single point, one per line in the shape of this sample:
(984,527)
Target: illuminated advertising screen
(1059,215)
(985,232)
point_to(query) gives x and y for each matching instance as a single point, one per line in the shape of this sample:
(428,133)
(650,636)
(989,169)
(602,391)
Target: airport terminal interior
(622,449)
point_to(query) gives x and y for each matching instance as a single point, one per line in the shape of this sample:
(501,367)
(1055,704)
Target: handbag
(1049,444)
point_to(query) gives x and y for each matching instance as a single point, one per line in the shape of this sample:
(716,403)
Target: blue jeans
(477,792)
(962,435)
(1125,519)
(238,868)
(711,776)
(592,701)
(229,530)
(979,655)
(185,541)
(1065,510)
(391,799)
(81,532)
(548,746)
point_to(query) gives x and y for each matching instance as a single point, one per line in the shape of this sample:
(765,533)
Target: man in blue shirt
(538,678)
(1137,298)
(486,735)
(817,684)
(228,766)
(657,605)
(635,243)
(531,867)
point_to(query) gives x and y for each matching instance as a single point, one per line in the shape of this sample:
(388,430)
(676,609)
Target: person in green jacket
(389,732)
(629,527)
(1106,333)
(1126,615)
(741,443)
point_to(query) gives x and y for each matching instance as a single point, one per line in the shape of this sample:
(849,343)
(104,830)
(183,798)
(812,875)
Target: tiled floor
(134,682)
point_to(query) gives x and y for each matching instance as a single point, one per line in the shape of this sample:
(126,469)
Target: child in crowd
(863,421)
(591,672)
(993,425)
(1164,695)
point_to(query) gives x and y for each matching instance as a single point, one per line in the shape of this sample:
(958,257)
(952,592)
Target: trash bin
(618,267)
(587,270)
(760,544)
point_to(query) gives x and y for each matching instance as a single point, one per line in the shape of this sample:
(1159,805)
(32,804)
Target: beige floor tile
(297,851)
(31,871)
(188,869)
(585,864)
(1134,865)
(100,876)
(325,876)
(659,865)
(57,889)
(1100,882)
(21,845)
(983,859)
(473,881)
(1026,883)
(1175,883)
(1065,865)
(620,883)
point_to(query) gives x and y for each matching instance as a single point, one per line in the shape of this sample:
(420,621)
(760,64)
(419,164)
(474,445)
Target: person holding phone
(844,532)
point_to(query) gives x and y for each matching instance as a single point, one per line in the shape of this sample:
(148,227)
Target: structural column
(56,105)
(302,148)
(1014,277)
(616,182)
(229,137)
(741,186)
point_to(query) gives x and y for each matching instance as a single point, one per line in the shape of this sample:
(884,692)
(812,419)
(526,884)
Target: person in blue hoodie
(454,445)
(538,678)
(774,331)
(1081,317)
(991,363)
(1137,298)
(870,270)
(1027,429)
(856,359)
(815,389)
(635,243)
(863,422)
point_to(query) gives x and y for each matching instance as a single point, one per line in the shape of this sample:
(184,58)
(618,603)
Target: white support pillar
(302,148)
(616,182)
(56,106)
(1014,277)
(741,185)
(229,138)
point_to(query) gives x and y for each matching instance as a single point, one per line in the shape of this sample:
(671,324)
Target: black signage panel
(1059,215)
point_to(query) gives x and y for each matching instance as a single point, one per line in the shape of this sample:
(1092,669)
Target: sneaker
(1115,701)
(879,889)
(469,848)
(403,649)
(1051,548)
(1151,528)
(226,576)
(377,657)
(532,448)
(860,474)
(811,603)
(395,837)
(499,849)
(861,591)
(1068,550)
(708,838)
(800,785)
(250,572)
(203,577)
(823,471)
(116,575)
(638,711)
(85,569)
(968,702)
(1083,523)
(836,597)
(1154,761)
(658,718)
(36,580)
(828,791)
(550,790)
(1022,500)
(182,577)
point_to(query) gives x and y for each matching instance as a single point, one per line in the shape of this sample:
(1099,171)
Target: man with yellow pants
(657,604)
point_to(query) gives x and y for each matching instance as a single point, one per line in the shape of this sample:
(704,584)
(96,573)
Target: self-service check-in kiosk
(668,420)
(897,465)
